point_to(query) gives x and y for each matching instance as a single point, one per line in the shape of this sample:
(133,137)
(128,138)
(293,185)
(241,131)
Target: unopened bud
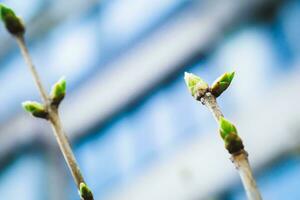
(58,91)
(12,22)
(221,84)
(35,108)
(196,85)
(228,132)
(226,127)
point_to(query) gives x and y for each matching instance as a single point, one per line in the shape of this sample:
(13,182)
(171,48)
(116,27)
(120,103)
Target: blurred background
(136,131)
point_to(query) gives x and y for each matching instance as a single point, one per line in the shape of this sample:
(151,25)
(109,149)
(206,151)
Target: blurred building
(135,129)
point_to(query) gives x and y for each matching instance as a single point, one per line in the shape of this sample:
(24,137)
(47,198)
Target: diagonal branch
(207,95)
(53,118)
(49,110)
(240,159)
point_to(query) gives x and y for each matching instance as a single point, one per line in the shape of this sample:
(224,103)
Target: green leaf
(85,192)
(226,128)
(35,108)
(221,84)
(12,22)
(58,91)
(195,84)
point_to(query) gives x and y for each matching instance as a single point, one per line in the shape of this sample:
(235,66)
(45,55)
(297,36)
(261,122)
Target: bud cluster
(198,87)
(57,94)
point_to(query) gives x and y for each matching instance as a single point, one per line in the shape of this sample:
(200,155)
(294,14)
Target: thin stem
(65,146)
(240,159)
(32,69)
(241,163)
(211,103)
(53,117)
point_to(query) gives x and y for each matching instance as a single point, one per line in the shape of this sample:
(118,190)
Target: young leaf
(12,22)
(221,84)
(35,108)
(195,84)
(58,91)
(85,192)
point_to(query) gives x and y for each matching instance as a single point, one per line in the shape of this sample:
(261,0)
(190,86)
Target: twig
(53,116)
(211,103)
(49,109)
(201,91)
(240,159)
(25,53)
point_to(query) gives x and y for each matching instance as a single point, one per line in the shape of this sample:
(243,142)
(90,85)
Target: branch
(239,158)
(49,109)
(25,53)
(233,143)
(241,163)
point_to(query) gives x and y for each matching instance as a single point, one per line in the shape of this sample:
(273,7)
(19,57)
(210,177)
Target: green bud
(226,127)
(13,23)
(35,108)
(85,192)
(195,84)
(221,84)
(58,91)
(228,132)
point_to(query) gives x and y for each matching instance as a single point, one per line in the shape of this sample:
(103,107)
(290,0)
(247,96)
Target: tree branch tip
(199,87)
(14,24)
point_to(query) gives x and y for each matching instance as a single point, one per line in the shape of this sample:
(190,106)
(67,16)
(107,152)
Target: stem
(240,159)
(28,60)
(210,102)
(241,163)
(53,116)
(65,146)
